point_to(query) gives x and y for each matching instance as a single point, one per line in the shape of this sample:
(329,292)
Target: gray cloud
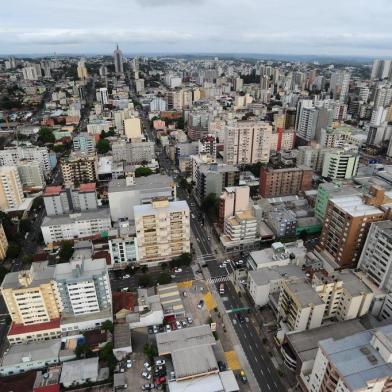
(306,27)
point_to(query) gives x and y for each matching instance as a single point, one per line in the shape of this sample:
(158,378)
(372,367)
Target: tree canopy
(66,251)
(46,135)
(143,171)
(103,146)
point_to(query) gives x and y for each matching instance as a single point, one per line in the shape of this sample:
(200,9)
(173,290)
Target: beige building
(82,70)
(299,306)
(11,190)
(3,243)
(30,295)
(232,200)
(162,230)
(247,142)
(133,128)
(79,168)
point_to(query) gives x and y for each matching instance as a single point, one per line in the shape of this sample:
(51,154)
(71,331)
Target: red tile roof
(53,190)
(123,300)
(87,187)
(48,388)
(18,329)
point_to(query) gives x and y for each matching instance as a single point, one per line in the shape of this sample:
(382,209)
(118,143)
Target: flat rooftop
(266,275)
(173,206)
(304,292)
(101,213)
(306,343)
(153,181)
(355,358)
(354,206)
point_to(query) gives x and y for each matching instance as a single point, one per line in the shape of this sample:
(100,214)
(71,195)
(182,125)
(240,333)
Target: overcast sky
(332,27)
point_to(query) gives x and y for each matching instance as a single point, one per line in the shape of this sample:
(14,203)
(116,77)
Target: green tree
(182,260)
(25,226)
(210,205)
(3,273)
(46,135)
(163,266)
(106,355)
(144,280)
(38,202)
(82,350)
(59,148)
(144,269)
(13,250)
(103,146)
(66,251)
(27,260)
(107,326)
(143,171)
(150,351)
(164,278)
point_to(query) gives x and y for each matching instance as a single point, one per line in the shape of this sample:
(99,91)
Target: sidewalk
(252,382)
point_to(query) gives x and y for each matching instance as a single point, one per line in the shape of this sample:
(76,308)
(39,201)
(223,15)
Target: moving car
(243,377)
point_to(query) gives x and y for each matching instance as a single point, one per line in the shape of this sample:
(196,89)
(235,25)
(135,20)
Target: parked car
(177,270)
(190,320)
(178,325)
(160,362)
(146,375)
(200,304)
(155,329)
(160,380)
(148,387)
(183,323)
(168,328)
(150,330)
(126,276)
(147,366)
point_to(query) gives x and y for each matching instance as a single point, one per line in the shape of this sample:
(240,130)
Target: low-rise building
(79,372)
(125,194)
(24,357)
(74,226)
(282,222)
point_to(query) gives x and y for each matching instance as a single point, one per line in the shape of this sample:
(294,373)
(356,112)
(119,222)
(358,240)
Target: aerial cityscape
(186,209)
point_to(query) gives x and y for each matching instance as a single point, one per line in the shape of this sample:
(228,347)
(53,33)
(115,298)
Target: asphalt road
(258,357)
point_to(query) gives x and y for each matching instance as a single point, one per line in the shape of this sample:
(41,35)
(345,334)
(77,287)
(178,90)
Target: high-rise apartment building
(30,295)
(306,120)
(11,156)
(83,142)
(82,70)
(286,181)
(11,191)
(247,142)
(3,243)
(162,230)
(356,363)
(79,168)
(31,174)
(103,96)
(340,165)
(346,225)
(339,85)
(83,286)
(232,200)
(382,69)
(118,61)
(376,257)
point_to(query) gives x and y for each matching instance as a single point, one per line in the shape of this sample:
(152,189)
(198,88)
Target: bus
(222,288)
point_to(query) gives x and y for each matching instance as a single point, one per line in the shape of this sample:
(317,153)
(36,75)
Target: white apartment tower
(247,142)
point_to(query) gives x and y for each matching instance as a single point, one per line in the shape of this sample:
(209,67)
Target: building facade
(11,191)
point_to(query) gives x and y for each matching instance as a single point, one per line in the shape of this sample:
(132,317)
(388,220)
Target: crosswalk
(219,279)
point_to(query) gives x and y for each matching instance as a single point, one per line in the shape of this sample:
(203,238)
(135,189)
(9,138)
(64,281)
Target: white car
(124,289)
(155,329)
(146,375)
(160,362)
(129,365)
(223,265)
(177,270)
(147,366)
(189,319)
(168,328)
(178,325)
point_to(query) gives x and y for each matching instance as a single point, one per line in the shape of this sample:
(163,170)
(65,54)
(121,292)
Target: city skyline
(172,26)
